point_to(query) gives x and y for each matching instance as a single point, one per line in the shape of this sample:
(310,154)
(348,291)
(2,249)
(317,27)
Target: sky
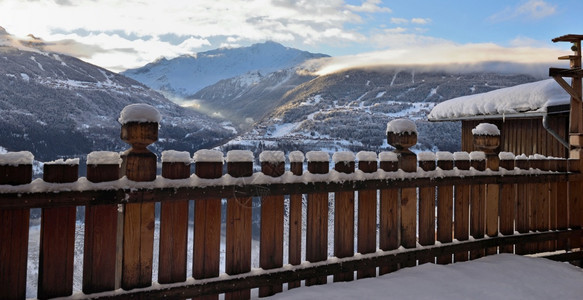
(122,34)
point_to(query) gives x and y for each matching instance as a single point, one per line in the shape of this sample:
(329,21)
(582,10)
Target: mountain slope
(185,75)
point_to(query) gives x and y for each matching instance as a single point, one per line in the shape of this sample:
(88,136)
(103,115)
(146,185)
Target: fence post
(239,217)
(344,214)
(487,139)
(402,134)
(57,236)
(296,161)
(367,213)
(139,129)
(507,201)
(207,220)
(427,206)
(101,225)
(271,237)
(462,205)
(390,213)
(15,169)
(445,206)
(173,222)
(317,216)
(477,203)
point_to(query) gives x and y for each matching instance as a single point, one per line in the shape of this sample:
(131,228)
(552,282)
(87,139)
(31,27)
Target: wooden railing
(432,207)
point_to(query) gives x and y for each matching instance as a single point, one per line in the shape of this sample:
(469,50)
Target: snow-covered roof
(532,97)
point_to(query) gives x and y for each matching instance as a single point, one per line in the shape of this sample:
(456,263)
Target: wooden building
(533,118)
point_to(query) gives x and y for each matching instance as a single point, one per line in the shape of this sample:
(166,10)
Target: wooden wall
(525,135)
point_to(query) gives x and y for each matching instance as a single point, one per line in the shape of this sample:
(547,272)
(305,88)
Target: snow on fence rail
(432,207)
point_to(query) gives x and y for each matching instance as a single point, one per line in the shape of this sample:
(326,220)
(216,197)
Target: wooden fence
(434,207)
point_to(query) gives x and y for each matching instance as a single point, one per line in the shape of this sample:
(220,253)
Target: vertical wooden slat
(477,204)
(14,224)
(100,248)
(522,207)
(367,217)
(317,221)
(507,203)
(207,221)
(271,236)
(542,204)
(389,216)
(238,235)
(427,207)
(344,221)
(408,199)
(295,217)
(492,201)
(57,238)
(462,205)
(575,203)
(173,226)
(553,166)
(445,207)
(562,204)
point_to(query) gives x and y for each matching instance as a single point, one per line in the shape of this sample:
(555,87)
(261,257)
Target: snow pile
(139,112)
(461,155)
(388,156)
(444,155)
(400,126)
(104,158)
(503,276)
(70,161)
(342,156)
(205,155)
(16,158)
(426,156)
(486,129)
(317,156)
(272,156)
(366,156)
(506,155)
(477,155)
(239,156)
(296,156)
(529,97)
(173,156)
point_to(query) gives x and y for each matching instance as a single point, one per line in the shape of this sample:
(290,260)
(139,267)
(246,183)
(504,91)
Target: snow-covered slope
(185,75)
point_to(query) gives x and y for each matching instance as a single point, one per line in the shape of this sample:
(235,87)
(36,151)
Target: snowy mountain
(55,105)
(185,75)
(349,110)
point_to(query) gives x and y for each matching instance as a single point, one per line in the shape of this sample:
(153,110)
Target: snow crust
(477,155)
(400,126)
(444,155)
(173,156)
(16,158)
(139,112)
(388,156)
(506,155)
(343,156)
(296,156)
(104,158)
(317,156)
(239,156)
(486,129)
(426,156)
(461,155)
(205,155)
(529,97)
(272,156)
(366,156)
(70,161)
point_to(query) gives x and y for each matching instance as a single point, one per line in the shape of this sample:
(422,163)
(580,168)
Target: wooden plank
(57,239)
(389,218)
(238,236)
(562,205)
(408,199)
(100,241)
(522,207)
(295,225)
(492,201)
(271,235)
(462,210)
(317,223)
(173,229)
(507,206)
(477,209)
(445,212)
(14,225)
(367,220)
(427,212)
(344,222)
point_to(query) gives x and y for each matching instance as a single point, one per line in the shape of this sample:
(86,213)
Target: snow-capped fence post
(477,203)
(402,134)
(390,213)
(139,128)
(427,206)
(272,207)
(239,217)
(445,206)
(461,205)
(57,236)
(101,229)
(344,214)
(15,169)
(367,213)
(207,220)
(317,216)
(487,139)
(507,201)
(173,221)
(522,203)
(296,162)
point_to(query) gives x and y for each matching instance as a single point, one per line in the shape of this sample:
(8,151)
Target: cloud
(532,9)
(369,6)
(421,21)
(417,21)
